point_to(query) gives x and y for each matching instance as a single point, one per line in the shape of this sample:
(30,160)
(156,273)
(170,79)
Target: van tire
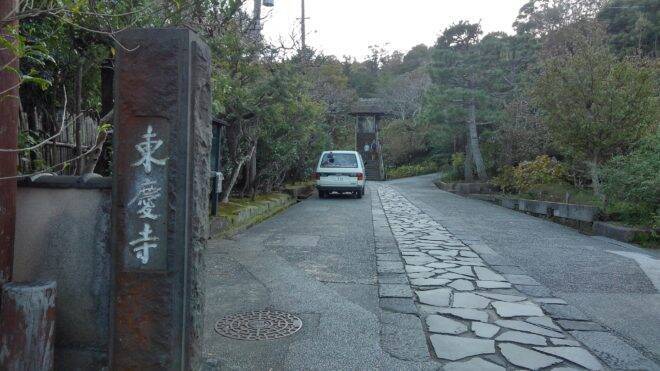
(322,194)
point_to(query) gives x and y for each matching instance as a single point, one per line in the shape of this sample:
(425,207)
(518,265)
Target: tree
(594,104)
(538,18)
(461,79)
(633,26)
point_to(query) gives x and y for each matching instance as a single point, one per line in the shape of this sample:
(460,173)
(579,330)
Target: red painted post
(27,326)
(9,111)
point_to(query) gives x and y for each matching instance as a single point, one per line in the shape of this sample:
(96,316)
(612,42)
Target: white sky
(349,27)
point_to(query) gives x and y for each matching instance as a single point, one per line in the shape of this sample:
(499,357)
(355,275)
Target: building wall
(62,234)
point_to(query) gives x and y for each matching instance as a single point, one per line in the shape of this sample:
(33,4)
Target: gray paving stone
(421,275)
(443,252)
(493,284)
(465,313)
(579,325)
(443,325)
(451,276)
(468,254)
(558,311)
(537,291)
(440,265)
(418,260)
(472,365)
(436,297)
(527,358)
(402,336)
(546,322)
(393,290)
(572,343)
(528,327)
(469,300)
(417,269)
(550,301)
(428,282)
(522,338)
(389,267)
(484,330)
(454,348)
(613,351)
(388,257)
(400,305)
(467,271)
(576,355)
(392,278)
(469,263)
(501,297)
(507,310)
(485,274)
(461,284)
(521,279)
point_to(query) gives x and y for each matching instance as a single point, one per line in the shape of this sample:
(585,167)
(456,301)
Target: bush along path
(472,316)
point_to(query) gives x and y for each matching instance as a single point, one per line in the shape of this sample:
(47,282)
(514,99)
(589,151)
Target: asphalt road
(318,261)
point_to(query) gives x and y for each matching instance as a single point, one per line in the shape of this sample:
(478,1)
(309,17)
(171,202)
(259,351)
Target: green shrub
(530,174)
(632,183)
(405,171)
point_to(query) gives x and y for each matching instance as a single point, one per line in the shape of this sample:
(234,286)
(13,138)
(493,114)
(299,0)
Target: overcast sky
(348,27)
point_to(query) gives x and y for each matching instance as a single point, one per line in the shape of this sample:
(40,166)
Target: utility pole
(9,112)
(303,33)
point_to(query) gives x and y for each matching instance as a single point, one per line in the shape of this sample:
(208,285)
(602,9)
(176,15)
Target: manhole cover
(258,325)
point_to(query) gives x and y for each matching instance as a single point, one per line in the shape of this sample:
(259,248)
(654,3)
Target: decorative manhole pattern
(258,325)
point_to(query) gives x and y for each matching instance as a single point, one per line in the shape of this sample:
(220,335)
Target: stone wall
(62,226)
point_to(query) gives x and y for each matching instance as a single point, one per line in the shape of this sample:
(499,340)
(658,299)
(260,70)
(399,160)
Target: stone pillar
(9,111)
(27,326)
(162,139)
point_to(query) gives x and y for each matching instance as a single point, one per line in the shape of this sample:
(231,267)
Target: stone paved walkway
(472,316)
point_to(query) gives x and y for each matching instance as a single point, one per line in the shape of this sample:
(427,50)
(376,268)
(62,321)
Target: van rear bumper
(340,188)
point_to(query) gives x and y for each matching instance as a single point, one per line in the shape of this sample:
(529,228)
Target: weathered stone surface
(421,275)
(571,343)
(461,284)
(443,252)
(613,351)
(468,254)
(506,309)
(454,348)
(484,330)
(400,305)
(521,279)
(465,313)
(485,274)
(417,269)
(389,267)
(437,297)
(444,325)
(388,257)
(467,271)
(390,290)
(543,321)
(502,297)
(428,282)
(575,355)
(493,285)
(418,260)
(508,269)
(536,291)
(392,278)
(522,337)
(472,365)
(441,265)
(550,301)
(527,327)
(527,358)
(564,312)
(402,336)
(469,300)
(579,325)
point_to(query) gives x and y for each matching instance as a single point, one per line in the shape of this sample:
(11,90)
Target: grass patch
(405,171)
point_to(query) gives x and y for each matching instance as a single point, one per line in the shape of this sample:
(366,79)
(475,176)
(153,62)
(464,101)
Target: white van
(340,171)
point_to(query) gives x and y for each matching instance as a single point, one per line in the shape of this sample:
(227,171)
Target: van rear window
(339,160)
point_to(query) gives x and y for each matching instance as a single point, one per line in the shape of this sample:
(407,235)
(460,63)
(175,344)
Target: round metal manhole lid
(258,325)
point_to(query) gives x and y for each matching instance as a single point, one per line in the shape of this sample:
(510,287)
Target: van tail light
(316,176)
(360,176)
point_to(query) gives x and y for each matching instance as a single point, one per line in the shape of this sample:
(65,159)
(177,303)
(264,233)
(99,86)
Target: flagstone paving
(473,317)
